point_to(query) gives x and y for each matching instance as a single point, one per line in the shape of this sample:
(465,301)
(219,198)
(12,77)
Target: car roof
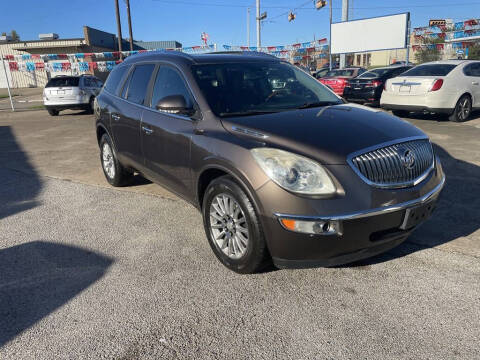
(207,58)
(445,62)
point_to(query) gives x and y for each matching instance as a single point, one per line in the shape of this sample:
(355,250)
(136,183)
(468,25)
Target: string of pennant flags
(78,61)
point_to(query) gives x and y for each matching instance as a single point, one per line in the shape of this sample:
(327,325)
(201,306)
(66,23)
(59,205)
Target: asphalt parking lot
(88,271)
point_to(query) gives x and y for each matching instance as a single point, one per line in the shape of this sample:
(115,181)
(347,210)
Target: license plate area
(60,92)
(416,215)
(405,89)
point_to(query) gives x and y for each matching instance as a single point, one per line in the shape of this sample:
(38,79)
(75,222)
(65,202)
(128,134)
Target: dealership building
(93,41)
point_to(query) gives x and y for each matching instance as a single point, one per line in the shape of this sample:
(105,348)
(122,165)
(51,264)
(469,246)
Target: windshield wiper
(247,113)
(317,104)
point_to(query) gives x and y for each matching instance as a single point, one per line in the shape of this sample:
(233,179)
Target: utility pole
(248,26)
(259,43)
(6,79)
(344,18)
(408,40)
(127,2)
(330,37)
(119,28)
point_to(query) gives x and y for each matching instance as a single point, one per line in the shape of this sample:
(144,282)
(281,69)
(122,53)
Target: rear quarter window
(431,70)
(115,78)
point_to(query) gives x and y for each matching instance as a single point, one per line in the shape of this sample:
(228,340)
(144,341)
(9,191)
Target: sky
(224,20)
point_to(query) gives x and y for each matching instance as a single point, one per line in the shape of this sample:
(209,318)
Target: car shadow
(39,277)
(456,214)
(19,181)
(438,117)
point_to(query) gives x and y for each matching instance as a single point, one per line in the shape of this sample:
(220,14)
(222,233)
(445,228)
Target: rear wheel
(91,105)
(400,113)
(114,172)
(233,229)
(53,112)
(462,110)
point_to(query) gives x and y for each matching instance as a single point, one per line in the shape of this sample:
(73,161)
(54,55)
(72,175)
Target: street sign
(460,52)
(437,22)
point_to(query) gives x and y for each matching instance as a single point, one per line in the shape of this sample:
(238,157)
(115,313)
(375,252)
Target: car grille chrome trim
(402,163)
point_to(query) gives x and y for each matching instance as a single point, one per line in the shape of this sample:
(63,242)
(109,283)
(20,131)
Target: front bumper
(363,233)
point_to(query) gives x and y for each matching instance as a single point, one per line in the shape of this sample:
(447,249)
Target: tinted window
(125,86)
(375,73)
(114,78)
(340,73)
(399,71)
(63,81)
(472,69)
(169,82)
(430,70)
(137,87)
(242,89)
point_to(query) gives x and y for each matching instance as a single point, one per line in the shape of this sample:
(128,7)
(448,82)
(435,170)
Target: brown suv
(280,167)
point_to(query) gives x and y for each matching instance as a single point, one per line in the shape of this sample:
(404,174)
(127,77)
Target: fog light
(318,227)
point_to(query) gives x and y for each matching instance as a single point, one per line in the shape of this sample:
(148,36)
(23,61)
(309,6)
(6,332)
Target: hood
(327,134)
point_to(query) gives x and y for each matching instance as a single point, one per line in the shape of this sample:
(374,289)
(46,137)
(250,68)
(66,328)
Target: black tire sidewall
(254,257)
(454,117)
(118,179)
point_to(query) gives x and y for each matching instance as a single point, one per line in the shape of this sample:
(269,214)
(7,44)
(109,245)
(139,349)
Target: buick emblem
(407,157)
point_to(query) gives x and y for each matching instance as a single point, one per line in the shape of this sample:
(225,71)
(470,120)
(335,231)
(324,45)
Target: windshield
(430,70)
(63,81)
(235,89)
(340,73)
(374,73)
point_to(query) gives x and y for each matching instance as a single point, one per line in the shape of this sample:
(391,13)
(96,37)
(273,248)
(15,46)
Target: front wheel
(91,105)
(400,113)
(232,227)
(114,172)
(462,110)
(53,112)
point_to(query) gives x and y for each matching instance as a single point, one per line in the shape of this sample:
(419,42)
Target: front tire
(53,112)
(91,105)
(400,113)
(462,110)
(114,172)
(232,227)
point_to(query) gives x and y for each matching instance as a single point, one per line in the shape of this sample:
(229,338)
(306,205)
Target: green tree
(426,54)
(15,36)
(474,52)
(4,33)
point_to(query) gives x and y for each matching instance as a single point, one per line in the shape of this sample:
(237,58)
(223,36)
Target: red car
(338,78)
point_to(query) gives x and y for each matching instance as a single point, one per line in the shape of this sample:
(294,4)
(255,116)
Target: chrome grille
(392,166)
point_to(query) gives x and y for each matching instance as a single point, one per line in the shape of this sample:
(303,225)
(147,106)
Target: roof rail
(248,53)
(161,52)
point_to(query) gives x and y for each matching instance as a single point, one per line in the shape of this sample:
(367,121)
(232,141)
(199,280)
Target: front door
(166,137)
(127,115)
(472,73)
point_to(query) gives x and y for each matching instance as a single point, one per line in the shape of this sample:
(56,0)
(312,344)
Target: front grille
(392,166)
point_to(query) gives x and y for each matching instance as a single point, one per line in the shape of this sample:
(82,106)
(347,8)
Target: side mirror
(175,104)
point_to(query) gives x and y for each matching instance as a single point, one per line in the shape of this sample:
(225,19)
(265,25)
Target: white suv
(450,87)
(71,92)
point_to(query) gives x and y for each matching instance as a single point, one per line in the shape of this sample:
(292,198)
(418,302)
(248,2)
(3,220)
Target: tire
(91,104)
(53,112)
(400,113)
(462,110)
(243,257)
(114,172)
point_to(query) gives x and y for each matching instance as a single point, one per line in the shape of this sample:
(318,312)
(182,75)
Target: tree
(15,36)
(474,52)
(4,33)
(428,53)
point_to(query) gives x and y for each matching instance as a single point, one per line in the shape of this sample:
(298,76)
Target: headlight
(294,172)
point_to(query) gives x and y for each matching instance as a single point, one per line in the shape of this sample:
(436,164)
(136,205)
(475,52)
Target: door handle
(147,130)
(474,82)
(115,117)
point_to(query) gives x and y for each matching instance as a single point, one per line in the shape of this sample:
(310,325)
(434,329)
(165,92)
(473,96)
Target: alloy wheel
(108,162)
(464,109)
(228,226)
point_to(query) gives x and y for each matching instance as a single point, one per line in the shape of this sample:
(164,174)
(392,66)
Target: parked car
(450,87)
(368,87)
(71,92)
(321,73)
(279,166)
(402,63)
(338,78)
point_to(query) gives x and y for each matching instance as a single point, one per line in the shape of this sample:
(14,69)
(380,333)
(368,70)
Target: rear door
(472,74)
(127,115)
(167,137)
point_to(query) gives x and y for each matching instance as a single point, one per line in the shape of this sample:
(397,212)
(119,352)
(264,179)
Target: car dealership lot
(88,270)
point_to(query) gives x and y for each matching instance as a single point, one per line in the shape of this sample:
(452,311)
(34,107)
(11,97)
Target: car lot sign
(460,52)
